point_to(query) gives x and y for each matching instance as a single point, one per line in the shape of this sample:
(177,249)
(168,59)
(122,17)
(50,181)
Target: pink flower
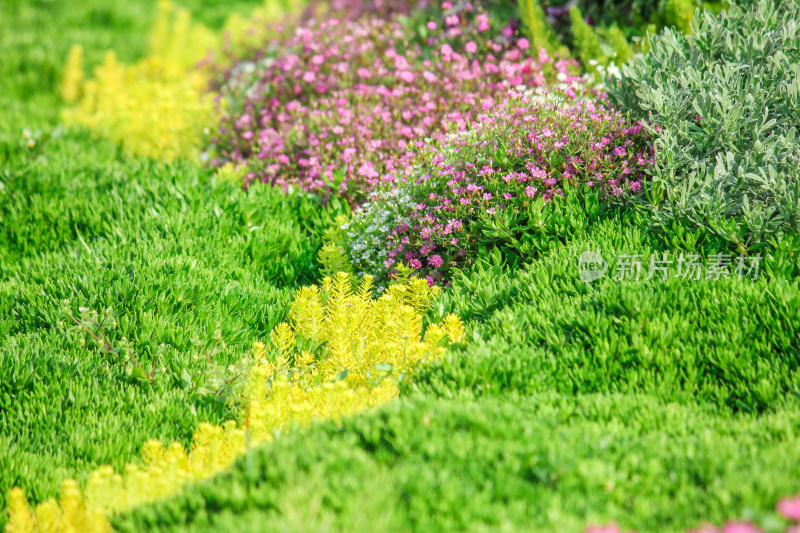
(309,77)
(435,261)
(367,170)
(610,528)
(740,527)
(400,63)
(245,121)
(530,192)
(432,25)
(415,264)
(789,508)
(543,56)
(471,47)
(447,5)
(523,44)
(446,50)
(483,22)
(406,75)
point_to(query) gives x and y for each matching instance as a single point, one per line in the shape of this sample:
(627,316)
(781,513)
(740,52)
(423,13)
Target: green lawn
(657,404)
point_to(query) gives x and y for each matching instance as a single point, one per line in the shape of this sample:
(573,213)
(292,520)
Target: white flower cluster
(369,229)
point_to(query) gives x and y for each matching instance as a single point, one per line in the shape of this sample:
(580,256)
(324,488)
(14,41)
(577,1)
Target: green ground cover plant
(689,358)
(132,290)
(192,273)
(514,463)
(192,270)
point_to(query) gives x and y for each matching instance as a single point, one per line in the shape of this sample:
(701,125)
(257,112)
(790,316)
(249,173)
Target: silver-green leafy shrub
(726,103)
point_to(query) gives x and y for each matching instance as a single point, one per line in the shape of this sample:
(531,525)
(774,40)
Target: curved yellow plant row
(341,352)
(160,106)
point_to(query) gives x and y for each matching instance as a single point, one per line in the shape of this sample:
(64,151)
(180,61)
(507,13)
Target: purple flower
(435,261)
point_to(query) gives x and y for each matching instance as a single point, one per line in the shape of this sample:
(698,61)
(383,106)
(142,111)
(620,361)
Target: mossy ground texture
(136,293)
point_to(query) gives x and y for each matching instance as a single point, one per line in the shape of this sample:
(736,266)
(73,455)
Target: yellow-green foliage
(73,75)
(332,258)
(69,514)
(229,172)
(159,106)
(242,34)
(537,29)
(622,48)
(156,107)
(679,13)
(341,352)
(584,39)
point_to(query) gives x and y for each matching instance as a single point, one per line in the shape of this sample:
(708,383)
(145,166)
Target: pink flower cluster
(788,508)
(523,152)
(355,9)
(344,105)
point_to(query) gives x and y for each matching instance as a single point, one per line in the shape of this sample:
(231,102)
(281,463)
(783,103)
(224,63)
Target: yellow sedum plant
(157,107)
(341,352)
(160,106)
